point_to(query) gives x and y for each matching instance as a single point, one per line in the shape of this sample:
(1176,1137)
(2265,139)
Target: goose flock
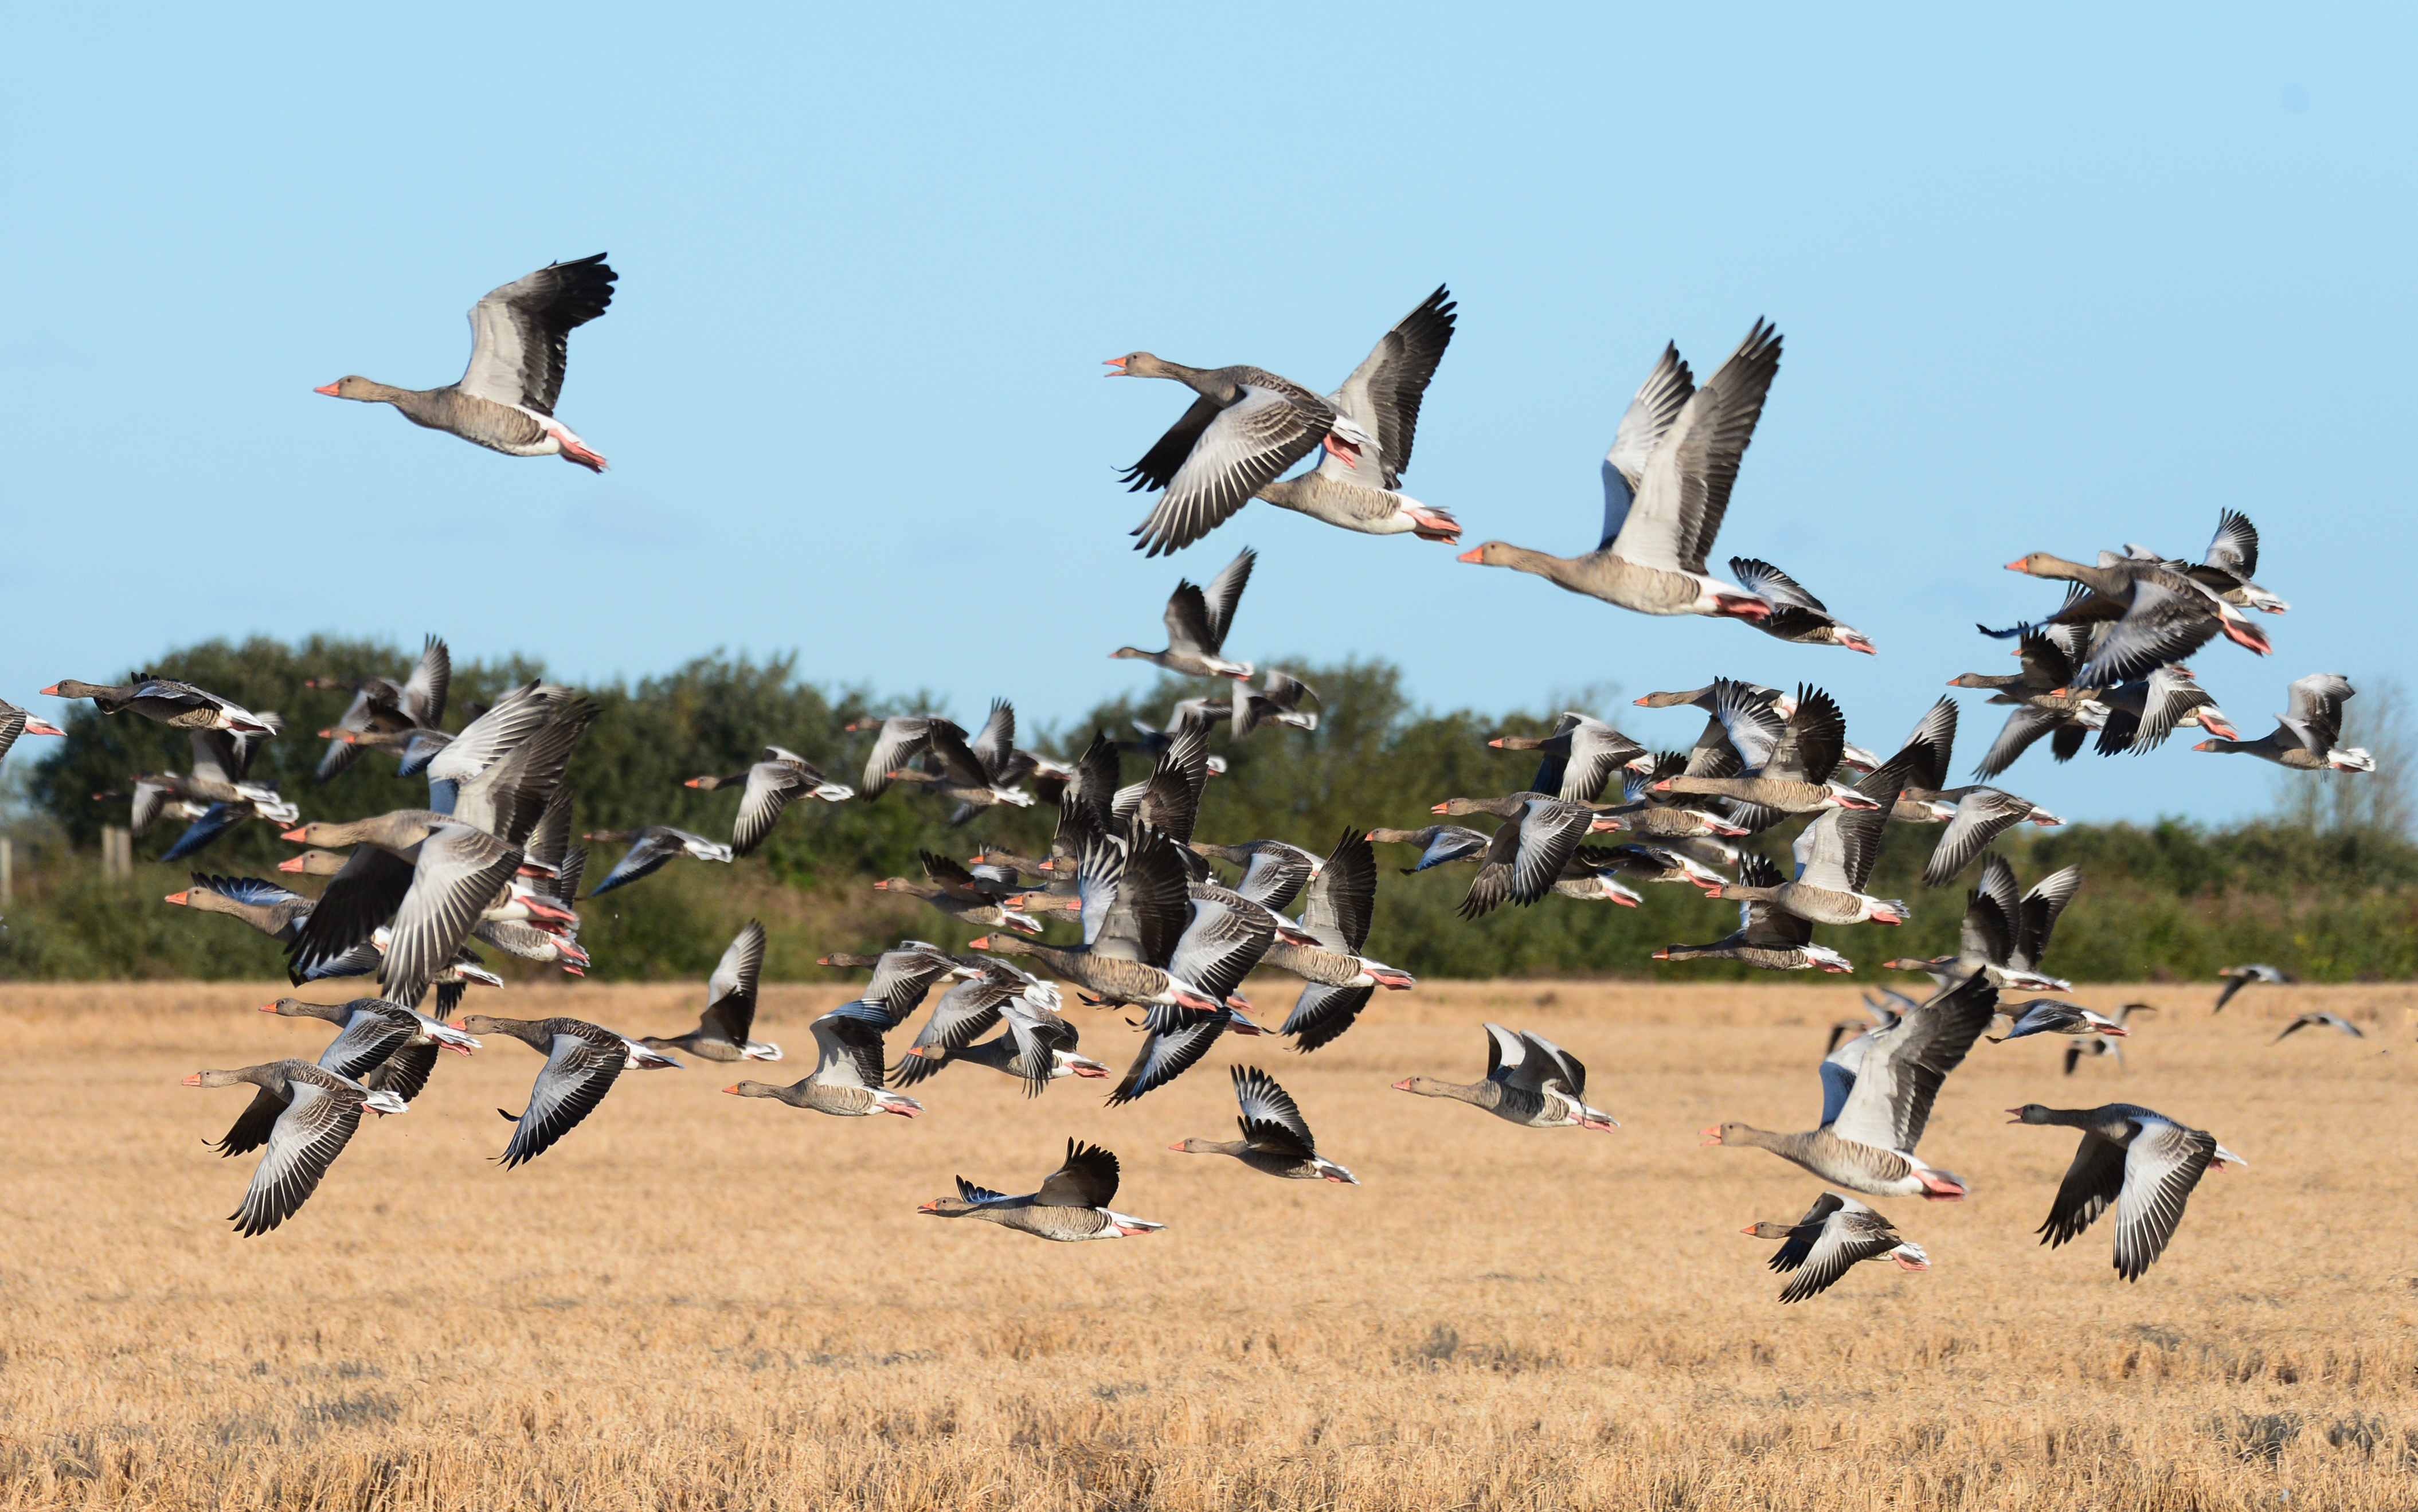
(1145,920)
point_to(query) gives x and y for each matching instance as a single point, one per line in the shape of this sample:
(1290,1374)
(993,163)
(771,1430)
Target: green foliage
(2331,901)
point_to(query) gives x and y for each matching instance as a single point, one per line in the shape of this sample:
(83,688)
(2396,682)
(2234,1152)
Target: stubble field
(697,1302)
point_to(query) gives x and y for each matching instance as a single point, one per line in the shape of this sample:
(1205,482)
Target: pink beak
(327,388)
(37,726)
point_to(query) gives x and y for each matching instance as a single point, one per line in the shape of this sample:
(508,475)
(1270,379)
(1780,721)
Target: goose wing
(1775,587)
(2235,546)
(216,820)
(518,332)
(1685,491)
(1270,1119)
(2162,1165)
(2165,623)
(1906,1063)
(731,992)
(1227,936)
(364,894)
(1804,1231)
(431,679)
(2041,907)
(2025,725)
(1754,727)
(1933,741)
(460,872)
(1847,1235)
(902,739)
(1174,1042)
(512,719)
(1344,897)
(1276,873)
(1384,391)
(579,1070)
(1982,816)
(848,1052)
(1224,593)
(1549,831)
(1492,886)
(2091,1184)
(1642,426)
(1548,1062)
(772,785)
(1837,850)
(1813,739)
(994,744)
(2317,709)
(1087,1180)
(1321,1013)
(1839,1071)
(1242,448)
(307,1137)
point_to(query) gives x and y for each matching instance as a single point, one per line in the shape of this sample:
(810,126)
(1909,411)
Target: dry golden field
(698,1302)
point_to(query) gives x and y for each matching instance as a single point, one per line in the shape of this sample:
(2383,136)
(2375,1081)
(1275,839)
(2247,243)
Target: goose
(1275,1138)
(1440,843)
(1135,910)
(969,1009)
(322,1109)
(2046,1015)
(959,893)
(1580,755)
(2225,569)
(1835,1234)
(847,1079)
(1072,1204)
(505,400)
(2082,1046)
(2333,1021)
(382,1044)
(15,722)
(1834,858)
(385,706)
(1274,871)
(1666,487)
(364,1048)
(651,848)
(1528,851)
(1169,800)
(2160,616)
(2004,936)
(2143,1163)
(1592,875)
(2274,976)
(1246,429)
(1361,491)
(414,749)
(1876,1095)
(976,775)
(2141,714)
(1789,763)
(1197,622)
(1979,816)
(1530,1081)
(902,977)
(533,711)
(1340,980)
(1796,614)
(2304,736)
(1035,1046)
(220,780)
(898,740)
(1278,701)
(1769,937)
(768,786)
(166,701)
(432,874)
(582,1061)
(1227,936)
(722,1030)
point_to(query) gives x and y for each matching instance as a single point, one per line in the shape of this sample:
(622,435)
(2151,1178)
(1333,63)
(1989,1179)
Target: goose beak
(732,1091)
(934,1205)
(327,388)
(1662,955)
(268,1007)
(1404,1085)
(291,864)
(2018,1115)
(51,692)
(179,898)
(193,1080)
(2015,566)
(296,835)
(1119,364)
(1713,1135)
(1177,1146)
(1475,554)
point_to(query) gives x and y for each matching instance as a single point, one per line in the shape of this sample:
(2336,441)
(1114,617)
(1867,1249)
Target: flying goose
(582,1061)
(1275,1138)
(957,892)
(768,786)
(902,976)
(2225,569)
(1767,936)
(2143,1163)
(2047,1015)
(367,1045)
(2160,615)
(1440,843)
(1796,614)
(847,1079)
(1876,1095)
(722,1030)
(220,780)
(2141,714)
(1135,908)
(1979,817)
(1035,1045)
(1666,487)
(1278,701)
(1834,858)
(2304,736)
(1197,622)
(382,1044)
(1530,1081)
(1361,490)
(15,722)
(1072,1204)
(1246,429)
(1524,859)
(1580,755)
(505,400)
(1274,871)
(1834,1236)
(2004,935)
(1337,912)
(1226,937)
(322,1109)
(1879,1014)
(275,912)
(2087,1046)
(1788,764)
(2274,976)
(166,701)
(2333,1021)
(651,848)
(386,707)
(431,874)
(976,775)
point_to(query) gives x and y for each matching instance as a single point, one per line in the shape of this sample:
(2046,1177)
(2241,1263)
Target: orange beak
(295,834)
(179,898)
(327,388)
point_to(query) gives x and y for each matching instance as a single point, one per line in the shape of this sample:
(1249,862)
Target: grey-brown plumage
(1275,1138)
(2142,1163)
(1529,1080)
(321,1110)
(722,1032)
(582,1062)
(1246,429)
(1835,1234)
(847,1079)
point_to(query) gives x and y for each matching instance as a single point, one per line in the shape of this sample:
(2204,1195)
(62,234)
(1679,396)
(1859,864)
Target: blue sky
(2055,282)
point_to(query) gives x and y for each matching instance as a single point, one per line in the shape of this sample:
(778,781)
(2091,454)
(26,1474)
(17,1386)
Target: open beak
(1118,363)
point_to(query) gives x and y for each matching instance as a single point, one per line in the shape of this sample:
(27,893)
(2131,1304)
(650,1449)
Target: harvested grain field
(698,1302)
